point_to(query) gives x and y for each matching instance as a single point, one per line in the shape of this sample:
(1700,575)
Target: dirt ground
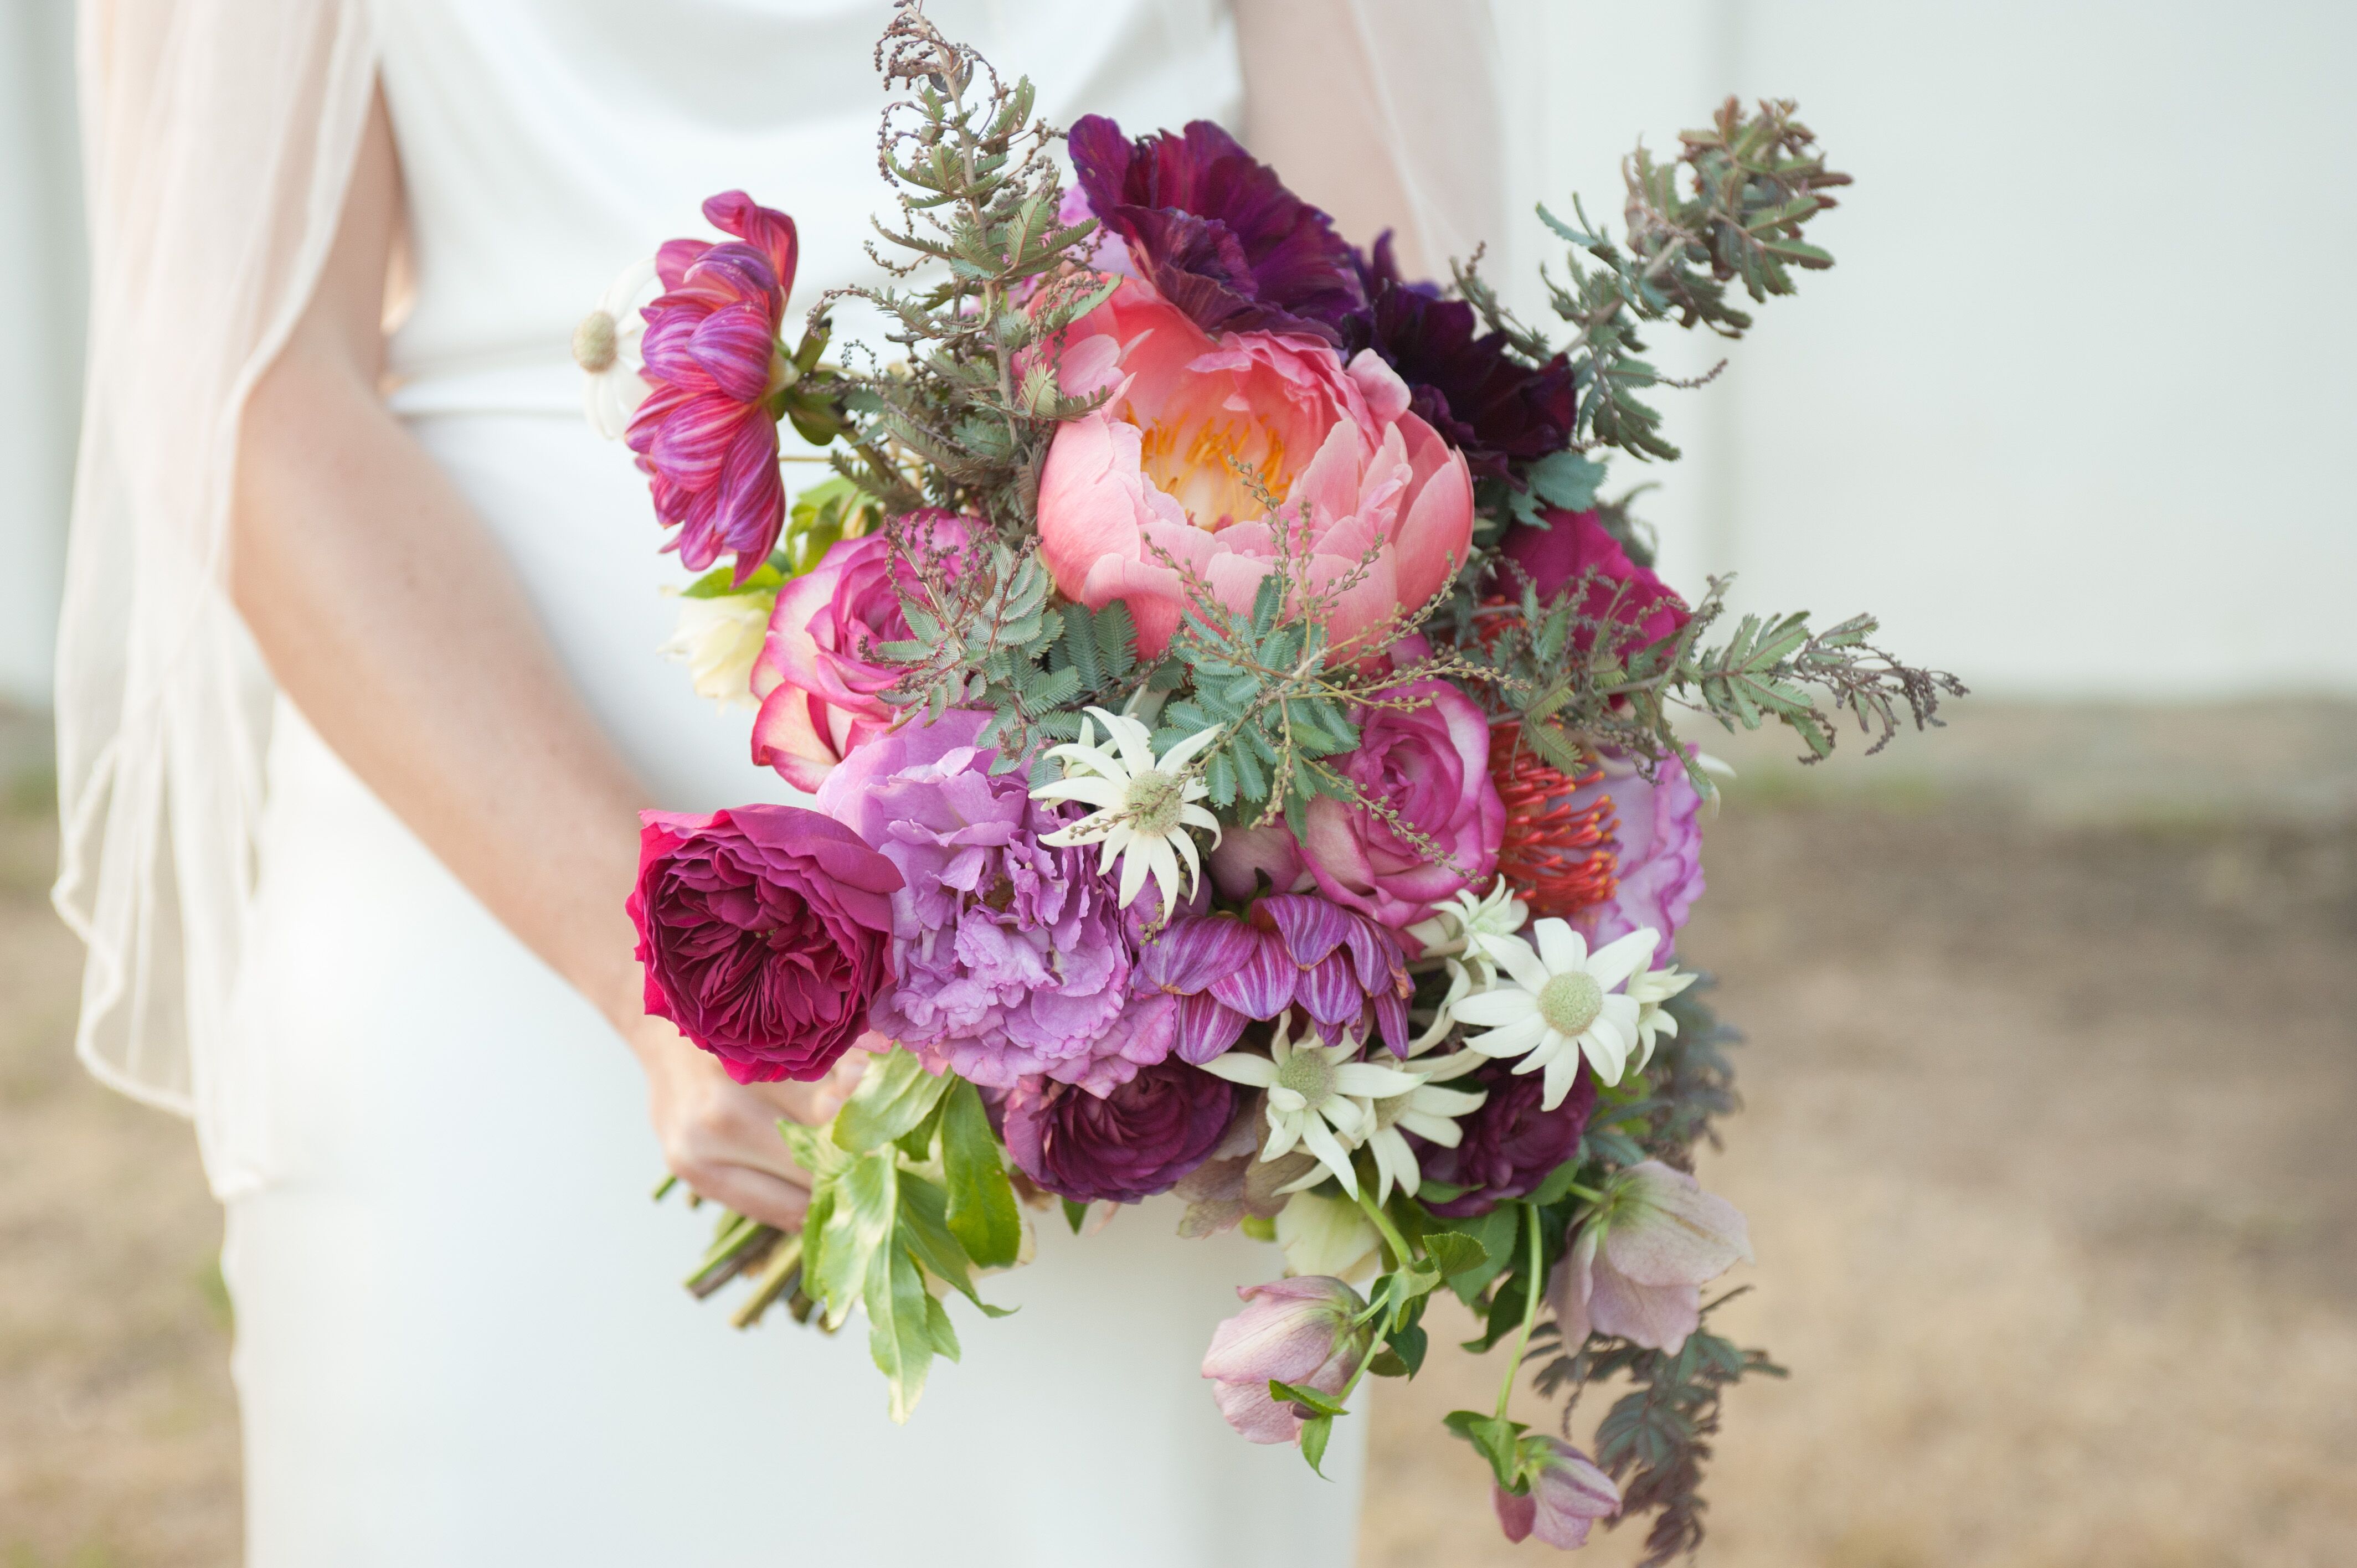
(2047,1160)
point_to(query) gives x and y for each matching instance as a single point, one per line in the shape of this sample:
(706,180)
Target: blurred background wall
(2066,415)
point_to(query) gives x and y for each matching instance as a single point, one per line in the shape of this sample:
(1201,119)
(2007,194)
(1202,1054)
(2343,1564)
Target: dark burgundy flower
(1465,383)
(1138,1140)
(764,932)
(1216,233)
(1508,1146)
(1289,950)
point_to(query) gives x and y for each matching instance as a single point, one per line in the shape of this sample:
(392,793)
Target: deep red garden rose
(764,932)
(1573,545)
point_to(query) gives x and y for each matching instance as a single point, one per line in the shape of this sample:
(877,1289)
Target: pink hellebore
(1567,1495)
(706,435)
(1640,1259)
(1147,484)
(818,687)
(1293,1331)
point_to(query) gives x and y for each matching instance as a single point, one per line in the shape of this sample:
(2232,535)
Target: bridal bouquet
(1242,741)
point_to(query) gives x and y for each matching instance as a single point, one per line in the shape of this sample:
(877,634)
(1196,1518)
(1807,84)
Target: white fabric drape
(219,136)
(1435,72)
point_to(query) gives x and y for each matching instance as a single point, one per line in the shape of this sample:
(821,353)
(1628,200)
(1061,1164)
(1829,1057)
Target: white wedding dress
(461,1338)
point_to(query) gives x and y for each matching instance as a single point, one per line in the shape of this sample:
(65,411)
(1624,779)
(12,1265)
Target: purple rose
(1430,766)
(1136,1141)
(1012,960)
(1507,1147)
(1657,843)
(1215,232)
(763,931)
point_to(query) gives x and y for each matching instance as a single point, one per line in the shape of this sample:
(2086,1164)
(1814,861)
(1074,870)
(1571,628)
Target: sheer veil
(218,136)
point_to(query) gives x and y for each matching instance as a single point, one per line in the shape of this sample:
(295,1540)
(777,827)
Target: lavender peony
(1508,1146)
(1012,960)
(1138,1140)
(763,932)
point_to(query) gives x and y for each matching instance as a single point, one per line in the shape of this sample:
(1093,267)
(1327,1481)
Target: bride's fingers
(756,1194)
(814,1103)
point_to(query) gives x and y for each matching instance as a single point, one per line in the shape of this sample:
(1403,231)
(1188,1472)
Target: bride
(361,917)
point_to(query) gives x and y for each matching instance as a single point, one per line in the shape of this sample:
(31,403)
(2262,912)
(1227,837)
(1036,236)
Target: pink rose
(764,932)
(820,691)
(1572,546)
(1430,766)
(1153,469)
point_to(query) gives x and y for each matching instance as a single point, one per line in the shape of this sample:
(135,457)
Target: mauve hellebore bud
(1293,1331)
(1567,1494)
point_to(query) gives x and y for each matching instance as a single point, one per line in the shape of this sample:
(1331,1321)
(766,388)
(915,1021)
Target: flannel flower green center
(1570,1002)
(1153,802)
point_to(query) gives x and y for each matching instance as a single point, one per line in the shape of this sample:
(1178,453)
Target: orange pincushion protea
(1557,854)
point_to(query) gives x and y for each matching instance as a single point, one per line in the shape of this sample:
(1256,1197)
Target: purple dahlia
(1011,960)
(1463,382)
(1140,1139)
(1344,970)
(1216,233)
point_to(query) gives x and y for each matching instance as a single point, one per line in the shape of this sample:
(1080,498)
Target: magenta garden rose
(1144,491)
(1429,767)
(817,684)
(1139,1139)
(763,932)
(1576,547)
(706,433)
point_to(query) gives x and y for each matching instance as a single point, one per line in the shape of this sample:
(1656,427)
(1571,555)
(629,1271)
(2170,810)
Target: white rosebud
(718,639)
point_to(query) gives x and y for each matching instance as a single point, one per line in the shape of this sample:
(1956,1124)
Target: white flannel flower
(1145,805)
(1318,1097)
(607,348)
(1453,936)
(1651,987)
(718,639)
(1430,1112)
(1553,1003)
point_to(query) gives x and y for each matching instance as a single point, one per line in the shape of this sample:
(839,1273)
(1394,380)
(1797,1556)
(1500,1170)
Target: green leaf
(1557,1186)
(859,1221)
(1075,1213)
(1454,1252)
(893,1099)
(940,1329)
(1314,1434)
(1566,479)
(900,1336)
(1493,1439)
(1495,1232)
(1293,1393)
(720,583)
(1408,1345)
(982,1213)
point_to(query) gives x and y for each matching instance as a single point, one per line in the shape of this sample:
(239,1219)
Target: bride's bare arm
(392,619)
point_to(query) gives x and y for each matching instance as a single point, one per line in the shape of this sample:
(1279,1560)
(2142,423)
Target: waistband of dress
(551,388)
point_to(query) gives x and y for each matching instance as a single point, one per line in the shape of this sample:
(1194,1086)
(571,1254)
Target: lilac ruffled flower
(1488,404)
(1344,970)
(1657,839)
(1215,232)
(1012,960)
(1141,1139)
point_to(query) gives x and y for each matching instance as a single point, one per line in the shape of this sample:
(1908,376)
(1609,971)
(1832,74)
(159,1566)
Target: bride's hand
(719,1136)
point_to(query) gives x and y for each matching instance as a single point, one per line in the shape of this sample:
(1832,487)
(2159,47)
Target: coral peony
(1510,1144)
(1216,232)
(1012,959)
(1576,547)
(763,931)
(1149,477)
(1141,1138)
(706,433)
(1345,971)
(1299,1331)
(1488,404)
(1639,1257)
(818,687)
(1428,766)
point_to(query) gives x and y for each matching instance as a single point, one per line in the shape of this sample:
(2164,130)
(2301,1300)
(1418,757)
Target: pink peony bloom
(1567,1495)
(1657,849)
(1290,1331)
(763,932)
(1574,545)
(1430,766)
(1640,1259)
(818,688)
(1151,471)
(706,435)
